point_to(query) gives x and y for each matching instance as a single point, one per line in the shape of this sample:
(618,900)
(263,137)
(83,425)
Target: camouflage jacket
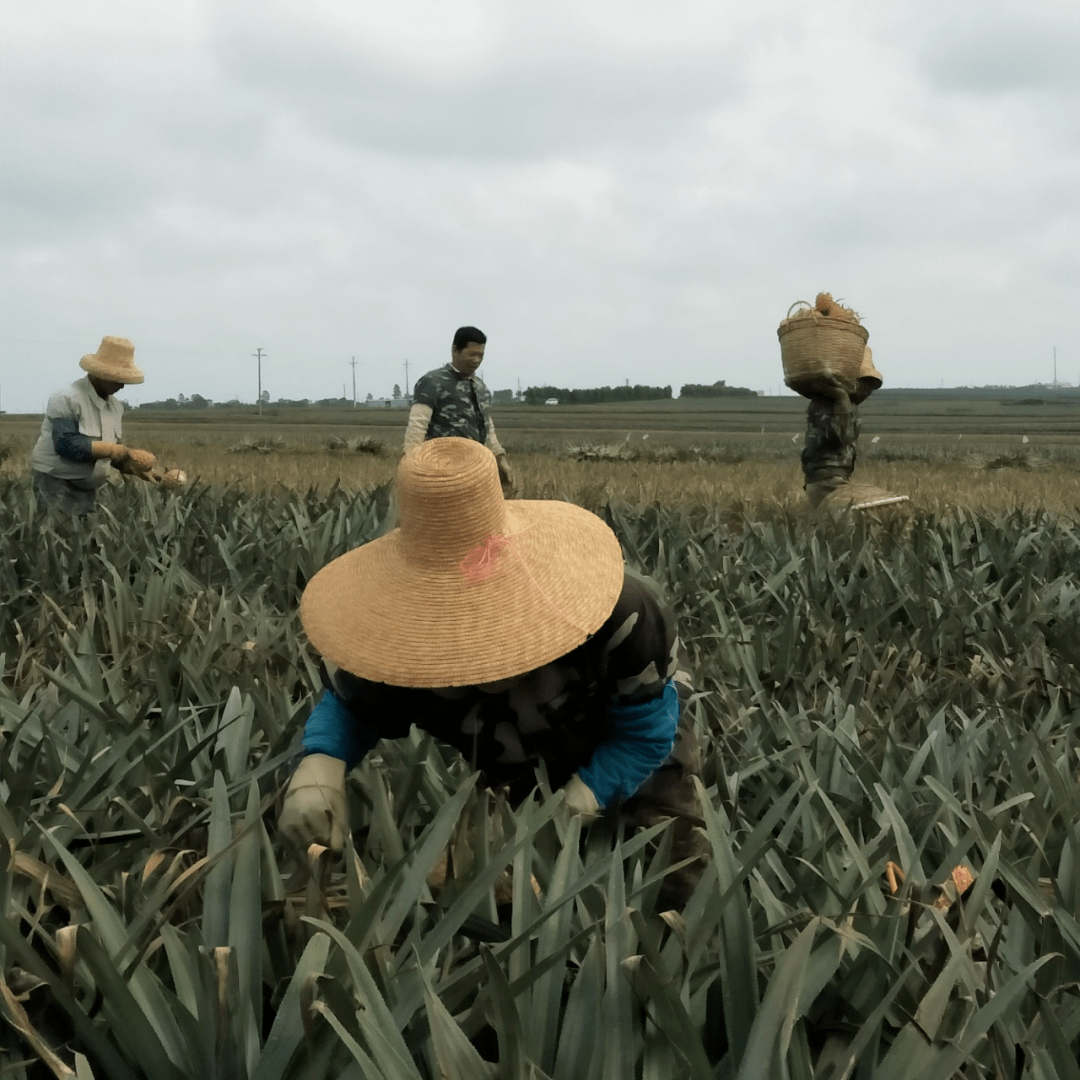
(557,714)
(829,449)
(459,404)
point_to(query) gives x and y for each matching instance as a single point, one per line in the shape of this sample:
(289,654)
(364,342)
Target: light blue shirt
(97,417)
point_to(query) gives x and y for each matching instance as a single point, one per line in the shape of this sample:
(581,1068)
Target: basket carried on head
(820,343)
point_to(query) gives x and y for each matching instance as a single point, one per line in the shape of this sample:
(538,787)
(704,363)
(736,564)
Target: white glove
(506,474)
(140,461)
(578,797)
(117,453)
(315,809)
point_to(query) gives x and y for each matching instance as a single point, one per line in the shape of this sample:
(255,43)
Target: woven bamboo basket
(816,348)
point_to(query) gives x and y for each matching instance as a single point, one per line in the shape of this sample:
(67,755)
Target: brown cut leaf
(155,860)
(63,889)
(18,1019)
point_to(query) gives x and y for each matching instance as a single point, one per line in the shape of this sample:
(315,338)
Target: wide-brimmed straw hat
(114,360)
(868,371)
(471,588)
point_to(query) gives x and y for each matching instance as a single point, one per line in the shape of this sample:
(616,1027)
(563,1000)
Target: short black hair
(468,335)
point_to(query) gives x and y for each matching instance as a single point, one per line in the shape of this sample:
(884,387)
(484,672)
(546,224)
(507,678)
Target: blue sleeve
(70,443)
(332,729)
(640,738)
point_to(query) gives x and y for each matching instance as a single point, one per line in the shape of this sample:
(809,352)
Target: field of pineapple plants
(891,771)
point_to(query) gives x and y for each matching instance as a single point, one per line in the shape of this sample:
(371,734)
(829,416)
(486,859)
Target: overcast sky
(610,190)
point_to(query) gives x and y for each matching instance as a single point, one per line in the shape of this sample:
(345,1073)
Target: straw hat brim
(126,373)
(868,371)
(533,594)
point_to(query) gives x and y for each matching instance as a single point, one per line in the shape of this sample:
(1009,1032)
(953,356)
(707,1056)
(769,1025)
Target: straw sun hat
(867,370)
(114,360)
(471,588)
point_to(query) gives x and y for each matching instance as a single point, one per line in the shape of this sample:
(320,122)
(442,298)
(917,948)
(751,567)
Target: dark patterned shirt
(831,439)
(459,404)
(558,714)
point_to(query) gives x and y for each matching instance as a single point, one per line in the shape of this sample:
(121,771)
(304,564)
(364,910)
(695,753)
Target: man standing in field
(832,432)
(453,401)
(80,436)
(512,631)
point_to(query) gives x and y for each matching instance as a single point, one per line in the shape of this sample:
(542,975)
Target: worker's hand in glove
(137,463)
(578,797)
(506,474)
(111,451)
(315,809)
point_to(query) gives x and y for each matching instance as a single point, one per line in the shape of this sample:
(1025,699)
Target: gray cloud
(611,191)
(998,49)
(520,99)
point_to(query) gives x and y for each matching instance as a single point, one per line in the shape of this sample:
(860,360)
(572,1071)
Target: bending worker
(80,436)
(512,631)
(453,401)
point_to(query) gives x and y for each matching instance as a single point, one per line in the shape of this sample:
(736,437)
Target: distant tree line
(537,395)
(197,401)
(716,389)
(534,395)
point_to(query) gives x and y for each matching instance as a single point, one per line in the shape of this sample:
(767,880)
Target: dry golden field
(741,453)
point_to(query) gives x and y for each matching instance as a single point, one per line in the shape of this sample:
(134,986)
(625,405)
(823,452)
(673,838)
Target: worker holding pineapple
(81,439)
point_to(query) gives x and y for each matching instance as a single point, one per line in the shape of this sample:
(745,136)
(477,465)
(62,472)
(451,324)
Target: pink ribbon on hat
(479,564)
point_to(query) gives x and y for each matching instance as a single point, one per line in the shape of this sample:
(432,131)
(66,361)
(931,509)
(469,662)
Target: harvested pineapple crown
(825,305)
(833,308)
(173,478)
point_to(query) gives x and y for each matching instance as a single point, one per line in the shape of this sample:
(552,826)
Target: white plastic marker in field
(794,438)
(887,500)
(1024,439)
(876,438)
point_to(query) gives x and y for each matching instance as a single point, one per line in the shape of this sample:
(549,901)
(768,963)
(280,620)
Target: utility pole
(408,392)
(258,354)
(352,364)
